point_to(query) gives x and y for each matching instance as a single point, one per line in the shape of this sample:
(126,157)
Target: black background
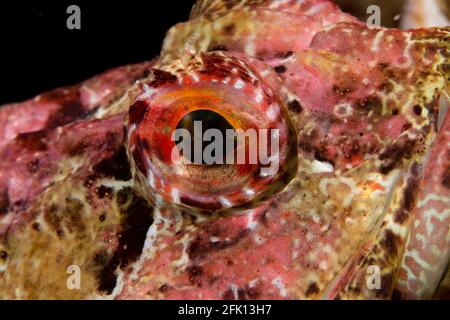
(39,53)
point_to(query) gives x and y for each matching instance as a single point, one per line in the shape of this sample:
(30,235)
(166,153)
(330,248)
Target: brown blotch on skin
(229,29)
(77,149)
(4,202)
(70,106)
(104,191)
(137,112)
(162,78)
(218,47)
(280,69)
(306,141)
(32,141)
(116,166)
(102,217)
(312,289)
(164,288)
(33,166)
(136,218)
(105,270)
(446,178)
(284,55)
(370,103)
(395,153)
(228,295)
(390,242)
(387,87)
(3,255)
(194,274)
(52,218)
(417,110)
(36,226)
(201,246)
(144,144)
(386,286)
(341,91)
(295,106)
(139,161)
(72,215)
(409,195)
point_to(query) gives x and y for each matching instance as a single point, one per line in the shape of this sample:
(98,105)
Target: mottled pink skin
(65,105)
(241,261)
(280,28)
(374,63)
(430,225)
(235,268)
(31,162)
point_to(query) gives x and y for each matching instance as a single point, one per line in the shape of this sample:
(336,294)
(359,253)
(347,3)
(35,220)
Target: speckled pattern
(364,178)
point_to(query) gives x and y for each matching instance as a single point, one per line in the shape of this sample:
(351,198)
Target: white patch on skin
(406,52)
(266,72)
(239,84)
(249,191)
(319,167)
(323,264)
(343,110)
(430,213)
(250,48)
(376,42)
(258,96)
(278,283)
(131,130)
(432,197)
(175,195)
(151,178)
(258,240)
(147,92)
(251,223)
(315,9)
(225,202)
(416,257)
(234,289)
(214,239)
(116,184)
(272,112)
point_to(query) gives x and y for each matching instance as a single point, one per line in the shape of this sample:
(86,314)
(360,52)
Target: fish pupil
(208,120)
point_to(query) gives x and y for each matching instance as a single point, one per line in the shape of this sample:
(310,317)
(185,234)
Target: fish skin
(313,239)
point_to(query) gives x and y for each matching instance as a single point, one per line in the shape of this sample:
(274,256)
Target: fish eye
(211,136)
